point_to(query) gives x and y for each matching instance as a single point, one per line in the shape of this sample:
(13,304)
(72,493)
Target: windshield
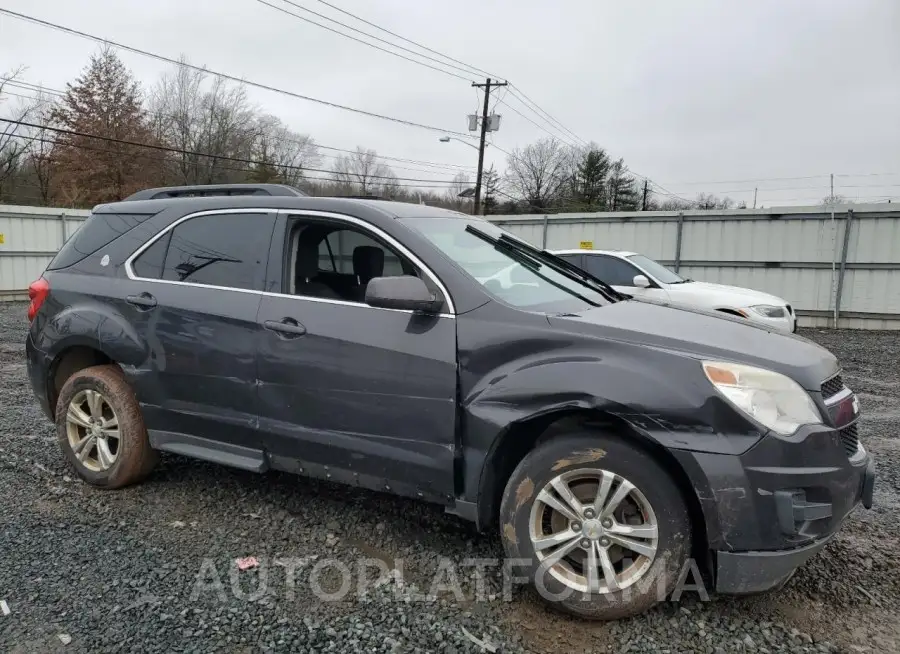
(533,285)
(655,269)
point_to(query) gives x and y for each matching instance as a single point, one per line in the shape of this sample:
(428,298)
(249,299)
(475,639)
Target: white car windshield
(501,271)
(657,270)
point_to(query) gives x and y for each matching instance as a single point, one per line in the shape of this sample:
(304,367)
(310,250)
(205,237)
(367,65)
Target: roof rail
(210,190)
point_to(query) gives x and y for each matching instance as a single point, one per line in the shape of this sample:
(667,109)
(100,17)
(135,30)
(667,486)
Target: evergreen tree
(589,180)
(490,185)
(622,191)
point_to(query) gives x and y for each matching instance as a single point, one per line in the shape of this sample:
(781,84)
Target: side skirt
(236,456)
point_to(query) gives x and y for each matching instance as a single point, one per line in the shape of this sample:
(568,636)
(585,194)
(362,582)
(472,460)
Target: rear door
(194,296)
(350,392)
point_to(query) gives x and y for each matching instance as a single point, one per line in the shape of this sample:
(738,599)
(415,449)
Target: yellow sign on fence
(1,238)
(586,245)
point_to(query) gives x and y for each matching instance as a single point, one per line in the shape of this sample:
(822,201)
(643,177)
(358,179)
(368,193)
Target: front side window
(333,262)
(533,285)
(336,252)
(228,250)
(611,270)
(656,269)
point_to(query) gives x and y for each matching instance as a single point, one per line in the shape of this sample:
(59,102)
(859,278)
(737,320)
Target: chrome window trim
(129,270)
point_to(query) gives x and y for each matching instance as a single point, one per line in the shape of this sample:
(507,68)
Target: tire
(583,463)
(119,461)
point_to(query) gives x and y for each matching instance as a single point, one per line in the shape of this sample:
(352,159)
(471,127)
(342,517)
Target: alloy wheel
(593,531)
(92,428)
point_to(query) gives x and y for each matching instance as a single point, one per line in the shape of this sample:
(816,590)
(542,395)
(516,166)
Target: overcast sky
(689,92)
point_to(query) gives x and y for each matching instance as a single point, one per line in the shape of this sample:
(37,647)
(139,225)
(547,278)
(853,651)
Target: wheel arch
(521,437)
(86,334)
(70,360)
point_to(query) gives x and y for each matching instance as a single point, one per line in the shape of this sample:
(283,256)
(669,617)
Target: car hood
(702,334)
(721,293)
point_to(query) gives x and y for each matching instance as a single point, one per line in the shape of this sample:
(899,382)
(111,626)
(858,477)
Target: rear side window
(150,263)
(98,231)
(227,250)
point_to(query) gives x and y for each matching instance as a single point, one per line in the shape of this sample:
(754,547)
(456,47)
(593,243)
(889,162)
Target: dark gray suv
(610,441)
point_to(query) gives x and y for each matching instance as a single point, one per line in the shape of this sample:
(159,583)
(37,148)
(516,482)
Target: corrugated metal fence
(846,267)
(29,237)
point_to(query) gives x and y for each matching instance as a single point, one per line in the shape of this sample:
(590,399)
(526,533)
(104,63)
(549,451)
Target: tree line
(106,137)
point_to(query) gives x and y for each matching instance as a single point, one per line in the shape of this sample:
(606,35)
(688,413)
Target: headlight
(776,401)
(768,310)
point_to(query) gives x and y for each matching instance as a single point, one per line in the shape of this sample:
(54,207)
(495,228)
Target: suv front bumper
(753,572)
(771,508)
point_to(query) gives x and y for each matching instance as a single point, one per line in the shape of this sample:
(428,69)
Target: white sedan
(635,274)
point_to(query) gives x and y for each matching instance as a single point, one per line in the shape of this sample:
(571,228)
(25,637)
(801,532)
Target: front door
(350,392)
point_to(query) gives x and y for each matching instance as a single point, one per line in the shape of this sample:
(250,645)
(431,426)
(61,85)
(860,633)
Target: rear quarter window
(98,231)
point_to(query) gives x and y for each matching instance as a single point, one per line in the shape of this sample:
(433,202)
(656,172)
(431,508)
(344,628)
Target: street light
(447,139)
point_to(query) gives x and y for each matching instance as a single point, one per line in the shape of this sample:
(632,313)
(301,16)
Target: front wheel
(599,525)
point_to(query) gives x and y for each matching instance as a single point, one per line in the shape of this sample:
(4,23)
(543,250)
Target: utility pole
(644,201)
(754,196)
(488,84)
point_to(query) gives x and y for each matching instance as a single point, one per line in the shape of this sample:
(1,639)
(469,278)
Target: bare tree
(457,198)
(709,201)
(15,139)
(363,172)
(39,160)
(285,152)
(209,121)
(539,171)
(833,200)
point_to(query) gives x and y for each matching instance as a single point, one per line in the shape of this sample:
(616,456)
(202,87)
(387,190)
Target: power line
(371,45)
(541,127)
(310,178)
(525,100)
(372,36)
(313,144)
(37,88)
(747,181)
(164,148)
(476,70)
(265,87)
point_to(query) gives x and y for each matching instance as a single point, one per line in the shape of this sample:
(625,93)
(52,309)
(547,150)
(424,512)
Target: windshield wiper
(565,267)
(525,258)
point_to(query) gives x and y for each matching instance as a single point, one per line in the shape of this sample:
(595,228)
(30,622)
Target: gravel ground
(137,570)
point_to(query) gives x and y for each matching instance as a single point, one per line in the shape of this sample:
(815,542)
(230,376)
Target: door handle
(143,301)
(287,326)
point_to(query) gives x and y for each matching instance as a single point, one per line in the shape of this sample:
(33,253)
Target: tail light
(37,293)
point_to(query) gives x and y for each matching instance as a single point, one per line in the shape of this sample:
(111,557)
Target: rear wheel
(100,428)
(602,527)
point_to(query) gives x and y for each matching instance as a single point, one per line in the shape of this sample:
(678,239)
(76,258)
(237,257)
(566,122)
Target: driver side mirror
(403,292)
(641,281)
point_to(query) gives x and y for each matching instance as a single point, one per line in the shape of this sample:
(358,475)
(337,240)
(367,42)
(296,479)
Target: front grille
(850,439)
(832,387)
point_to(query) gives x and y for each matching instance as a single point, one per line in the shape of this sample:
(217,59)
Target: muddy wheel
(100,428)
(597,524)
